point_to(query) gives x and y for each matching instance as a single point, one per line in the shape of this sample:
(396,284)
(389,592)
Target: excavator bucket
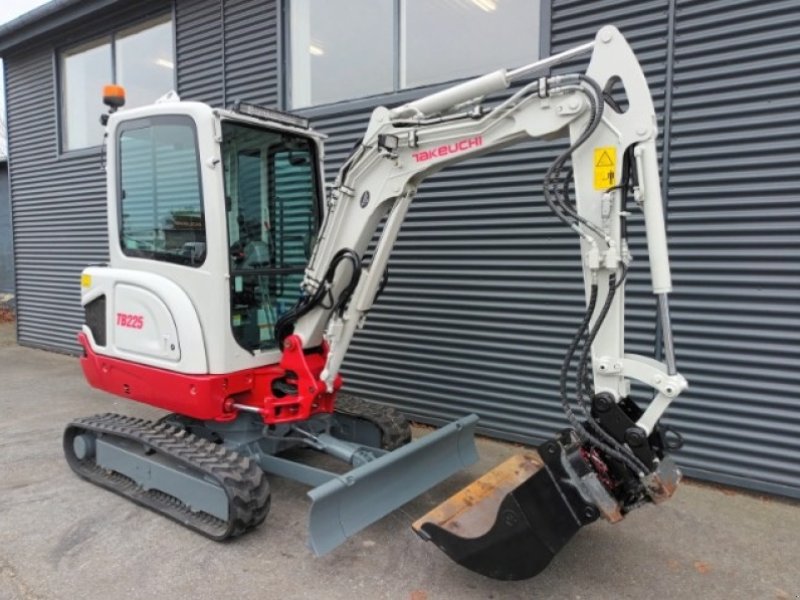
(511,522)
(347,503)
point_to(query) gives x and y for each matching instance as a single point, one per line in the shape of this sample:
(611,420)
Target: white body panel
(168,319)
(144,325)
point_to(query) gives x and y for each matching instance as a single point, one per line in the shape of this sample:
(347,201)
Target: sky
(9,10)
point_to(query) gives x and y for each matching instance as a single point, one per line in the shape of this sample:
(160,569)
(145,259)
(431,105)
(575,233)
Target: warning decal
(605,167)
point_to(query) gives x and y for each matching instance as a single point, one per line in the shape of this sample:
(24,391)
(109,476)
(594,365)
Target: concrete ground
(61,537)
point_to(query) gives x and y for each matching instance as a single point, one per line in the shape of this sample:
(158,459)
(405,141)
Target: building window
(144,62)
(84,72)
(345,49)
(139,58)
(161,204)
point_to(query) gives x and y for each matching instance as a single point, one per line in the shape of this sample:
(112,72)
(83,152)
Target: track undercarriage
(211,477)
(202,485)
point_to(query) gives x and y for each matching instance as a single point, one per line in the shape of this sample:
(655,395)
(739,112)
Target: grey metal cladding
(199,50)
(59,211)
(734,229)
(227,51)
(6,247)
(59,201)
(251,51)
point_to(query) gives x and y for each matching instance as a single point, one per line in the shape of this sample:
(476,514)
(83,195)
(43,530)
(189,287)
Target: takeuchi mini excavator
(235,285)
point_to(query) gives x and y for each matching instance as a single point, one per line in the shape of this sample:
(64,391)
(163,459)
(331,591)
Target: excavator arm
(613,457)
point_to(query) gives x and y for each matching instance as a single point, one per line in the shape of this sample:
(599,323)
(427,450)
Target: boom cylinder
(653,209)
(453,96)
(487,84)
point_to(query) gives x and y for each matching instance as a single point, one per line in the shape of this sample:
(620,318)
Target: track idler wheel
(510,523)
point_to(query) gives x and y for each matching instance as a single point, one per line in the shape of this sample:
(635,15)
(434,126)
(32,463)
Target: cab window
(273,214)
(160,199)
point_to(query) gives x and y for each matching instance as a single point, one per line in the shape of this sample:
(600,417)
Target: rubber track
(243,481)
(395,430)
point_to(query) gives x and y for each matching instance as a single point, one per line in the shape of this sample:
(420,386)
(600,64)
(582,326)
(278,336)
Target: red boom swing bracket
(302,373)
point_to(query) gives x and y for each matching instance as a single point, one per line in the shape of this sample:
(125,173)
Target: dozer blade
(511,522)
(347,503)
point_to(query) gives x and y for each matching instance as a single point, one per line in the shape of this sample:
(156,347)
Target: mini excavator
(235,285)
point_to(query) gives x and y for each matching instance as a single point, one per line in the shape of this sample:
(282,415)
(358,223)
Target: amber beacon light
(114,96)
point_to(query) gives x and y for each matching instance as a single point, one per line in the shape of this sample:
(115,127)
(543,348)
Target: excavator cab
(272,204)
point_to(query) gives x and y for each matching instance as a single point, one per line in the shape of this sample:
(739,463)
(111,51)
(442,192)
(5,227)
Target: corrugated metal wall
(485,287)
(198,49)
(734,228)
(6,247)
(59,220)
(227,50)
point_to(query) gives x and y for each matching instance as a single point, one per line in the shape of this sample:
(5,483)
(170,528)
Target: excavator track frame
(243,482)
(351,411)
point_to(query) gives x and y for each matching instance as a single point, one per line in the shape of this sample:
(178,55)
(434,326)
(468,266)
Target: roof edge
(46,18)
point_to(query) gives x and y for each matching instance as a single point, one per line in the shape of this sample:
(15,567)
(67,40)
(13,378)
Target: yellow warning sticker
(605,167)
(86,280)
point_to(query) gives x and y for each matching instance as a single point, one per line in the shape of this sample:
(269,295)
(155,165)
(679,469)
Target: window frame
(111,37)
(181,119)
(398,95)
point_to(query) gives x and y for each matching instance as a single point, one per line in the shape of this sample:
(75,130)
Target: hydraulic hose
(583,433)
(553,197)
(285,323)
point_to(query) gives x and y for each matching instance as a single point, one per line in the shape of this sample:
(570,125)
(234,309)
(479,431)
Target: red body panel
(211,397)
